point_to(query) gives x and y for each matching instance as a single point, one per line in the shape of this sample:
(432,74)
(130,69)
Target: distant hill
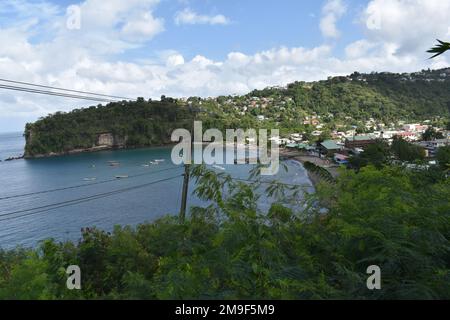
(386,96)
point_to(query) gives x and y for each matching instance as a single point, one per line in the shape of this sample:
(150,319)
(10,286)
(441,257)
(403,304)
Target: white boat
(122,177)
(220,168)
(161,160)
(113,163)
(89,179)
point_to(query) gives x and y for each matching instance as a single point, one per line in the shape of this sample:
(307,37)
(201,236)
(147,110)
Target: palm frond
(439,49)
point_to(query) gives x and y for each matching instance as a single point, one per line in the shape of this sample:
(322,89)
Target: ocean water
(27,220)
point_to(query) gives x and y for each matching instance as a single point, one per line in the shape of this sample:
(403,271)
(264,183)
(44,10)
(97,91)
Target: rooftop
(361,138)
(330,145)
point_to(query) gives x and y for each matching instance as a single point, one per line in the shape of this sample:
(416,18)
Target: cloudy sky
(204,47)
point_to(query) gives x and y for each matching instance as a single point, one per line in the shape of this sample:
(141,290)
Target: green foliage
(381,154)
(443,157)
(431,134)
(131,124)
(321,172)
(379,217)
(392,218)
(404,151)
(376,154)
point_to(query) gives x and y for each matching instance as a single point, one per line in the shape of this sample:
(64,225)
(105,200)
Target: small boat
(220,168)
(154,163)
(122,177)
(159,161)
(89,179)
(146,165)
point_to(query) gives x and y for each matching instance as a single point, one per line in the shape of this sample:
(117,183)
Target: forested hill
(379,95)
(349,100)
(116,125)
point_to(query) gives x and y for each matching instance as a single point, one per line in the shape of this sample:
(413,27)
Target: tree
(405,151)
(431,134)
(443,157)
(376,154)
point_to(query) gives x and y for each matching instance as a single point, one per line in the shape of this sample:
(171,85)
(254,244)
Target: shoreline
(115,148)
(92,150)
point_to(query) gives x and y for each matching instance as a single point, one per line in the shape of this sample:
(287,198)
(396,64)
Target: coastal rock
(105,139)
(111,141)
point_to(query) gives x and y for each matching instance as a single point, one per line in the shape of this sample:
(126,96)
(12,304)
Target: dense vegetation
(385,96)
(389,217)
(381,153)
(340,101)
(136,124)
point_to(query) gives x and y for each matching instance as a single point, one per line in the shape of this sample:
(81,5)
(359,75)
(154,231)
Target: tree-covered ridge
(135,124)
(393,218)
(386,96)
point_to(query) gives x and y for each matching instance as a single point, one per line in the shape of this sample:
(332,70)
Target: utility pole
(185,193)
(186,182)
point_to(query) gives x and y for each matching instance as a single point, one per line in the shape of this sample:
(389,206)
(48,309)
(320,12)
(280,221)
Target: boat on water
(89,179)
(219,167)
(159,161)
(122,177)
(114,163)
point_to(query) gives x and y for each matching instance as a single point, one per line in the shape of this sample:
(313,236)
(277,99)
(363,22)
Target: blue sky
(204,47)
(254,26)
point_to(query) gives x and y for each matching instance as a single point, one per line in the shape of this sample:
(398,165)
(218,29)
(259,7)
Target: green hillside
(347,100)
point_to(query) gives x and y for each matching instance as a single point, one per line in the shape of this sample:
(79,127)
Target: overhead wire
(82,185)
(47,208)
(63,89)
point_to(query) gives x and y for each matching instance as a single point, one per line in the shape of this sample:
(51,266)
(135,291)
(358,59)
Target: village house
(341,158)
(409,136)
(329,147)
(359,142)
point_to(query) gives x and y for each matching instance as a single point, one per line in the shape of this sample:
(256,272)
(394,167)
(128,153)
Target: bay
(21,224)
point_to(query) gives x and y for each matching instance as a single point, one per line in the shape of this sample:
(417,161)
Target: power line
(79,201)
(62,89)
(50,93)
(83,185)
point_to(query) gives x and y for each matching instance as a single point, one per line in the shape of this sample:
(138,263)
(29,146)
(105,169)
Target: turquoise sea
(26,220)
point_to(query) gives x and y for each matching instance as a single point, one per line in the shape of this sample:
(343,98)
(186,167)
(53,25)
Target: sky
(181,48)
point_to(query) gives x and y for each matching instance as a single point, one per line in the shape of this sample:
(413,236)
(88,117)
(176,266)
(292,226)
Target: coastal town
(343,146)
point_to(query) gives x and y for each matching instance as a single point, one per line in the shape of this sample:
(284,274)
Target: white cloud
(187,16)
(332,11)
(87,59)
(146,27)
(358,49)
(412,25)
(175,60)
